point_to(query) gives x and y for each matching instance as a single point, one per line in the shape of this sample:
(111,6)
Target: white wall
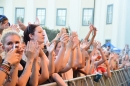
(50,14)
(100,19)
(118,31)
(127,34)
(74,16)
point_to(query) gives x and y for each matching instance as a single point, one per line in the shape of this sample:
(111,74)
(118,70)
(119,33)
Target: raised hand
(64,39)
(57,36)
(37,50)
(95,44)
(30,50)
(99,45)
(13,57)
(76,42)
(74,34)
(62,31)
(37,22)
(21,25)
(84,44)
(14,27)
(70,43)
(95,31)
(20,49)
(91,27)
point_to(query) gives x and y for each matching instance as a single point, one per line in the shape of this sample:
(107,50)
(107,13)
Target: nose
(43,34)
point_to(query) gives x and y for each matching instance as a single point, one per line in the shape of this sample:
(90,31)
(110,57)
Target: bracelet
(7,63)
(6,70)
(5,66)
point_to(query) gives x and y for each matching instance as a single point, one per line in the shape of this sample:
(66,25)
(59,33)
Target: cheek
(36,37)
(8,48)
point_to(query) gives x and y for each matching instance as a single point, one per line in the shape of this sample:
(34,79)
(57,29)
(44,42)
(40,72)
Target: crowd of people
(26,60)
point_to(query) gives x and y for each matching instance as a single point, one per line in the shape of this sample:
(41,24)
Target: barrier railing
(119,77)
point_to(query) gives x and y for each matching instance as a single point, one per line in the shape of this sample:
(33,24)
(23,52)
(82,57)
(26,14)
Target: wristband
(6,69)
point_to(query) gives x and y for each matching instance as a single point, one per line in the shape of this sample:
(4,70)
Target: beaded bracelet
(6,68)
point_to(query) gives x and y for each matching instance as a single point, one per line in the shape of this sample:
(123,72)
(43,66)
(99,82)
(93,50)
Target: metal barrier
(119,77)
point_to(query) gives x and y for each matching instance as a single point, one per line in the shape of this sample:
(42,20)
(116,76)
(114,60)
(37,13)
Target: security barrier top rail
(119,77)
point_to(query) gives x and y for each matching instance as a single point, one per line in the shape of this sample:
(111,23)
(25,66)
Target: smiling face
(10,41)
(39,35)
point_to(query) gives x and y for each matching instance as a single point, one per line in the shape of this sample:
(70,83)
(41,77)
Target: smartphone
(15,46)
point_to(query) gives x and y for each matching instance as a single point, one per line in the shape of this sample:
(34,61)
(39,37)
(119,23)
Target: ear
(31,36)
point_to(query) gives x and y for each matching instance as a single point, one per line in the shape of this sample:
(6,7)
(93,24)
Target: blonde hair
(8,33)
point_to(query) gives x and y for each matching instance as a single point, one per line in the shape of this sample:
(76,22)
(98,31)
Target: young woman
(36,33)
(12,40)
(12,58)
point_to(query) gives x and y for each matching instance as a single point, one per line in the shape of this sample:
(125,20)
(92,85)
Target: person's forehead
(12,38)
(39,28)
(6,21)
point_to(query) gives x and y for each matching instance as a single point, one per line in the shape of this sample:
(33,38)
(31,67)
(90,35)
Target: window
(19,15)
(41,14)
(87,16)
(1,10)
(61,17)
(107,40)
(109,14)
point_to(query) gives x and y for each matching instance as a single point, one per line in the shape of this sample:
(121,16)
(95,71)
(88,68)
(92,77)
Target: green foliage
(51,33)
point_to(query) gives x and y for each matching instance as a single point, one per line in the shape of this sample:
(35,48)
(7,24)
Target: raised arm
(22,80)
(71,56)
(67,54)
(102,54)
(86,68)
(91,29)
(35,68)
(44,68)
(11,54)
(22,26)
(92,39)
(51,57)
(59,60)
(108,73)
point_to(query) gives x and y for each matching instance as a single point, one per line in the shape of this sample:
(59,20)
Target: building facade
(111,17)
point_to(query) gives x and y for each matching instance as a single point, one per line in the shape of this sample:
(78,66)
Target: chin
(41,42)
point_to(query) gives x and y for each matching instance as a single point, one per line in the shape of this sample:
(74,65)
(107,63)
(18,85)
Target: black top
(23,63)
